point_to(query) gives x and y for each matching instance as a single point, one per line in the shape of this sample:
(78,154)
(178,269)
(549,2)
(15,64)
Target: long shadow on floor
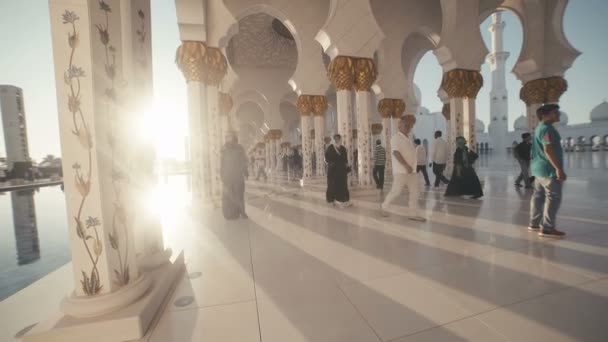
(300,286)
(411,256)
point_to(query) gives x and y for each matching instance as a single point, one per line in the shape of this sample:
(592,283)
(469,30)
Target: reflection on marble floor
(300,270)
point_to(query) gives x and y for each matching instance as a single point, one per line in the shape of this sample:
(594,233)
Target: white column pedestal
(386,131)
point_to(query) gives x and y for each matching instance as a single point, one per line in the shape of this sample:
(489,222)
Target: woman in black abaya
(464,180)
(337,173)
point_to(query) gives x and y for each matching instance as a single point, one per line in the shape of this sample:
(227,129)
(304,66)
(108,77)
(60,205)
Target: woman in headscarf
(464,179)
(337,173)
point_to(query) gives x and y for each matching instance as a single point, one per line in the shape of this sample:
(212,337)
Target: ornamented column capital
(543,90)
(216,66)
(385,108)
(226,103)
(445,110)
(341,72)
(189,58)
(365,73)
(398,108)
(556,86)
(461,83)
(376,128)
(319,105)
(304,105)
(410,119)
(275,134)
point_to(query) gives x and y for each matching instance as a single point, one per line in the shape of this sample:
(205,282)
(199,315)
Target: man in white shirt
(421,159)
(404,162)
(439,158)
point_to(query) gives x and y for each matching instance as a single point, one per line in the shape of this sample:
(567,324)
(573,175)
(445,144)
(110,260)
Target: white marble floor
(300,270)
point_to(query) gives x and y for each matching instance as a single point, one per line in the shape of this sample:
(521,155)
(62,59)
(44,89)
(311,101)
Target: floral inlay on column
(120,180)
(86,231)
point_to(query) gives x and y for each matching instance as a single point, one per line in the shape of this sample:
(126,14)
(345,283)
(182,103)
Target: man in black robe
(233,172)
(337,173)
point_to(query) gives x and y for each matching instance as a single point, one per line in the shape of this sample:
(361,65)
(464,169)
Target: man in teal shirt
(548,169)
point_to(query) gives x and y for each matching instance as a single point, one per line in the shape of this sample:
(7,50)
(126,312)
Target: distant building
(14,125)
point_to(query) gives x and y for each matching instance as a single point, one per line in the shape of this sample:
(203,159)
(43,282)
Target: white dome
(480,127)
(563,118)
(423,111)
(521,123)
(600,112)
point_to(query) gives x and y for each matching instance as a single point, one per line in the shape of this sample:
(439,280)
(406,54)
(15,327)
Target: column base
(127,324)
(150,262)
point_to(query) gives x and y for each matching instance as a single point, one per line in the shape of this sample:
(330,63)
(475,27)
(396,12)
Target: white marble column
(305,107)
(279,151)
(225,105)
(386,131)
(341,73)
(190,60)
(319,108)
(365,76)
(137,66)
(462,87)
(449,137)
(267,155)
(86,38)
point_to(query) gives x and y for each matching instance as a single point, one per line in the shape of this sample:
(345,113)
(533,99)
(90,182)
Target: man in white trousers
(403,156)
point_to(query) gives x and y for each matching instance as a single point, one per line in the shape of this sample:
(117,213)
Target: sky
(26,61)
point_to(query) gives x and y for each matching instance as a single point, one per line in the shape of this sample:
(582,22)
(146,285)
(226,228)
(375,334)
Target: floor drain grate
(183,301)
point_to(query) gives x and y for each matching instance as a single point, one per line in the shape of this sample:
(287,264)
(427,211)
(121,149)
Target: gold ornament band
(461,83)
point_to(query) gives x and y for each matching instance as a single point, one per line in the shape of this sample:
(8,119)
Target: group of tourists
(542,152)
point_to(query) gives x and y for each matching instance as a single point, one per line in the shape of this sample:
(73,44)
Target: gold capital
(376,128)
(215,66)
(461,83)
(388,108)
(543,90)
(304,105)
(319,105)
(225,102)
(365,73)
(189,58)
(399,108)
(341,72)
(275,134)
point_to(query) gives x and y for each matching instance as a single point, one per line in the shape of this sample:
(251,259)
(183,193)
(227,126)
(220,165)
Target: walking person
(379,165)
(421,161)
(337,173)
(523,155)
(233,171)
(439,158)
(548,169)
(464,178)
(261,164)
(403,157)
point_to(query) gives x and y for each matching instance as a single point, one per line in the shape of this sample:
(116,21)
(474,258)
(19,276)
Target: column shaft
(319,122)
(363,137)
(95,141)
(306,147)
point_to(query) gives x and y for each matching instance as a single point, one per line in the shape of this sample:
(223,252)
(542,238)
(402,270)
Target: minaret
(499,98)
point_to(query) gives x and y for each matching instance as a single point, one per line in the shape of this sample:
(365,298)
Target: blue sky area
(26,61)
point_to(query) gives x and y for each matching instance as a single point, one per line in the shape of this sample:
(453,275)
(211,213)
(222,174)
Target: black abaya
(337,174)
(464,180)
(233,172)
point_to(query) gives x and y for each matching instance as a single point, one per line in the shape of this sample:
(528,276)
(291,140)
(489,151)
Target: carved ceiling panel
(262,41)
